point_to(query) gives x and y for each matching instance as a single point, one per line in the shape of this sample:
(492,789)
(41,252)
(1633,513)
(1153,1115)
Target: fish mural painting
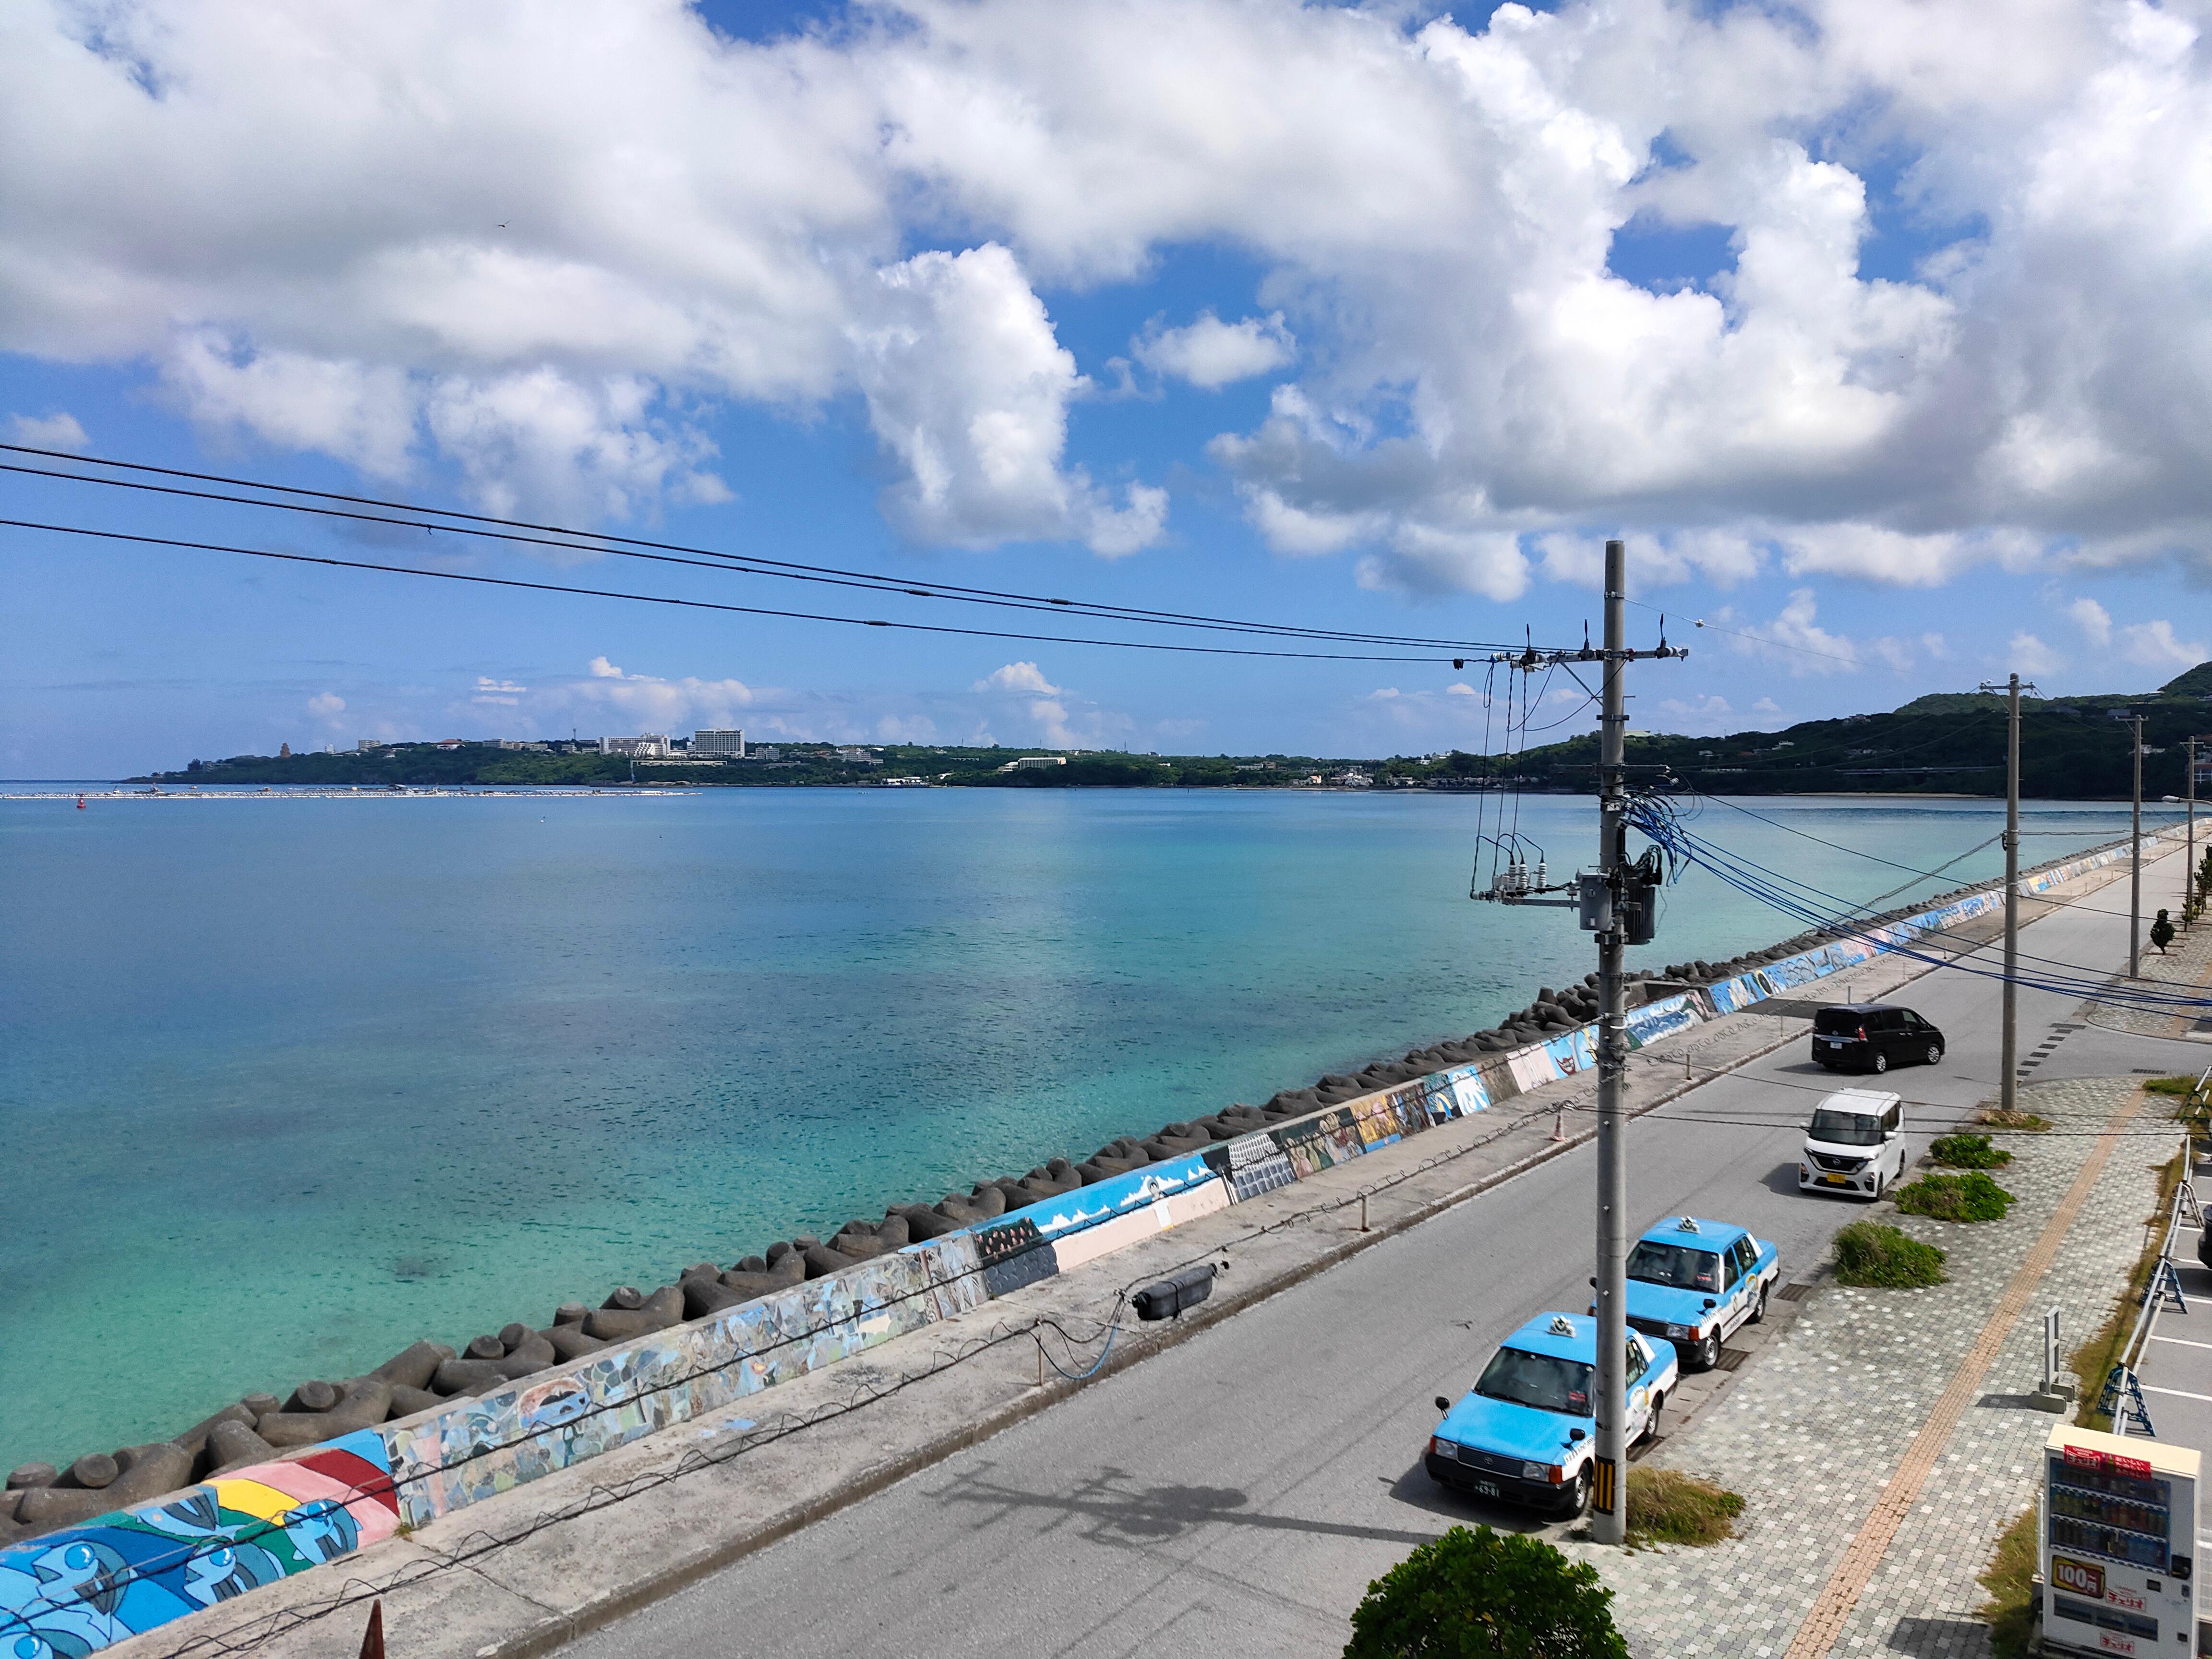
(74,1591)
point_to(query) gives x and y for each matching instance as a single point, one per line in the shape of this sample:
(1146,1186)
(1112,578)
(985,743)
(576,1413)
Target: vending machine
(2120,1545)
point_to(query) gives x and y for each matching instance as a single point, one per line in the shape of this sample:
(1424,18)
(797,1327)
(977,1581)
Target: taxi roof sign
(1562,1326)
(1687,1225)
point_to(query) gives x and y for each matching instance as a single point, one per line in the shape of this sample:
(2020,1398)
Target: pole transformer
(1609,1517)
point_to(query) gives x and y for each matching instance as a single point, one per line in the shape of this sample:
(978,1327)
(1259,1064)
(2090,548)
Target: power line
(701,604)
(567,538)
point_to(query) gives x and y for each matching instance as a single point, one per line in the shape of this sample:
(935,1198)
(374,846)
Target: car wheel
(1652,1423)
(1881,1060)
(1874,1197)
(1935,1054)
(1709,1350)
(1759,1309)
(1579,1496)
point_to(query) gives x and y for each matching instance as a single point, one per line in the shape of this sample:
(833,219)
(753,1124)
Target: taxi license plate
(1488,1488)
(1837,1181)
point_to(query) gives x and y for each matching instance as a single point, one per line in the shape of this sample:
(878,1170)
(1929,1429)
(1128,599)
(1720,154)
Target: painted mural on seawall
(84,1586)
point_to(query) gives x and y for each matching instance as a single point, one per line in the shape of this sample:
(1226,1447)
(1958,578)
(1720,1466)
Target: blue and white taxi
(1523,1433)
(1695,1282)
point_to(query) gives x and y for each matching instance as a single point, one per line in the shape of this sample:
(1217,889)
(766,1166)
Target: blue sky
(1373,320)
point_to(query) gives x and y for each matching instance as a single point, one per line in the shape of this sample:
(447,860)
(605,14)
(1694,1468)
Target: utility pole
(2189,859)
(1617,902)
(1609,1511)
(2008,1072)
(2134,865)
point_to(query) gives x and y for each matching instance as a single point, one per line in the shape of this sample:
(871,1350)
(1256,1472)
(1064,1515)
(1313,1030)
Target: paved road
(1235,1494)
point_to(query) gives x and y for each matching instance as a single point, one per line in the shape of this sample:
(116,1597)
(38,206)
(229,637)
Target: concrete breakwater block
(234,1445)
(627,1298)
(568,1342)
(657,1312)
(570,1313)
(195,1438)
(141,1473)
(484,1347)
(361,1403)
(26,1475)
(413,1366)
(406,1401)
(94,1471)
(313,1397)
(458,1377)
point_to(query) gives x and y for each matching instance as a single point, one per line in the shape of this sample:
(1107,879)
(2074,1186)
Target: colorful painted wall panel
(1532,1068)
(84,1588)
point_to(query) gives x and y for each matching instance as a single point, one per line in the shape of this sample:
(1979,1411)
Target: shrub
(1970,1152)
(2182,1086)
(1970,1197)
(1870,1253)
(1666,1506)
(1997,1118)
(1495,1595)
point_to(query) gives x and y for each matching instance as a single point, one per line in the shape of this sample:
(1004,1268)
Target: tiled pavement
(2186,962)
(1812,1431)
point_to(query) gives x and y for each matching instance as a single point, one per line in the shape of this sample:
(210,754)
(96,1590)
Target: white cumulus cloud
(1210,353)
(59,430)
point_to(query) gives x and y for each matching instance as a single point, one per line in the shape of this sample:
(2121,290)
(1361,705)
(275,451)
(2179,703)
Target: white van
(1855,1143)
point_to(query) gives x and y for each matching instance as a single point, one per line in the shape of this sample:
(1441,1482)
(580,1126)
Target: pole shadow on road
(1114,1508)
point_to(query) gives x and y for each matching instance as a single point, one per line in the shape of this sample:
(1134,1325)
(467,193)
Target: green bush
(1666,1506)
(1970,1152)
(1869,1253)
(1970,1197)
(1485,1594)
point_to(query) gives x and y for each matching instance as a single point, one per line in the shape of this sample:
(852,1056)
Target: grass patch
(1996,1117)
(1970,1152)
(1666,1506)
(2093,1359)
(1870,1253)
(2010,1580)
(2182,1086)
(1970,1197)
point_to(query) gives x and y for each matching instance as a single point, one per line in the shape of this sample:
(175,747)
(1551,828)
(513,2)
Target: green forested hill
(1946,744)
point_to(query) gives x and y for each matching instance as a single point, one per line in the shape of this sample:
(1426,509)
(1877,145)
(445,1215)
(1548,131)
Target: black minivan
(1873,1037)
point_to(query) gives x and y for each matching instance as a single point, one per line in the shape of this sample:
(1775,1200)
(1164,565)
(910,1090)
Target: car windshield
(1677,1265)
(1847,1128)
(1542,1379)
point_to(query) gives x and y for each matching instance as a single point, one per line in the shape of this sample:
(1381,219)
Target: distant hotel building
(640,748)
(732,744)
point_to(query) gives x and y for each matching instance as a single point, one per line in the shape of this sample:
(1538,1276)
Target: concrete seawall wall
(78,1589)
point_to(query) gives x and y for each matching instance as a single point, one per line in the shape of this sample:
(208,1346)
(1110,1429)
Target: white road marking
(2181,1342)
(2179,1394)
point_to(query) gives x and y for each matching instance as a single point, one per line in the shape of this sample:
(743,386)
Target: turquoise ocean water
(285,1084)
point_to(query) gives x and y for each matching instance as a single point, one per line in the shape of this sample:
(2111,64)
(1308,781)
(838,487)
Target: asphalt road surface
(1235,1494)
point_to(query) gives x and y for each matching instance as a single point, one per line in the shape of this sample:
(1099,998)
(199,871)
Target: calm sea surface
(285,1084)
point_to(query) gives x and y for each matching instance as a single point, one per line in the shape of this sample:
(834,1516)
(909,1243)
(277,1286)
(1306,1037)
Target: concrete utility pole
(2134,865)
(2189,860)
(1609,1512)
(2008,1071)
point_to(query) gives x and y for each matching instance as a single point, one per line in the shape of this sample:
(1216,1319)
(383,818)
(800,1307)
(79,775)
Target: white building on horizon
(729,743)
(651,746)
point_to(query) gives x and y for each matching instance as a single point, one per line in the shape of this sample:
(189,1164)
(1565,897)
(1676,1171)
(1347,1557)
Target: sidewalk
(1817,1433)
